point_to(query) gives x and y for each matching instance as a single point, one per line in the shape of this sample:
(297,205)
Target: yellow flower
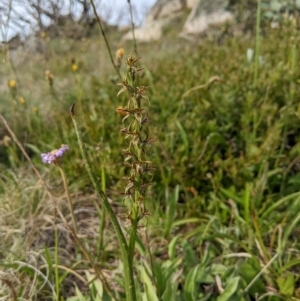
(12,83)
(74,67)
(35,109)
(120,53)
(43,34)
(22,100)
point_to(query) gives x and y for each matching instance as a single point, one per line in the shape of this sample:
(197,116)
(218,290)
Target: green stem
(128,268)
(257,37)
(103,214)
(293,71)
(133,230)
(64,177)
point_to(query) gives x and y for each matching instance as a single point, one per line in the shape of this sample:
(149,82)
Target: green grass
(224,200)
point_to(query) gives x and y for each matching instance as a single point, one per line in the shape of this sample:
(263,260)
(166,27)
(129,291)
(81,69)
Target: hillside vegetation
(221,216)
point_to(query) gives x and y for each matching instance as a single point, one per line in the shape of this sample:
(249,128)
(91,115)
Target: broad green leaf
(169,267)
(190,283)
(149,287)
(158,274)
(190,259)
(172,247)
(217,269)
(286,284)
(248,270)
(230,289)
(204,276)
(96,287)
(195,276)
(171,210)
(171,287)
(94,293)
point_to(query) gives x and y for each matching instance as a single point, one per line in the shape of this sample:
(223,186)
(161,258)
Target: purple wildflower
(54,155)
(62,150)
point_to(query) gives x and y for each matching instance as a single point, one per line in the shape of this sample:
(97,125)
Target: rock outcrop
(203,14)
(160,15)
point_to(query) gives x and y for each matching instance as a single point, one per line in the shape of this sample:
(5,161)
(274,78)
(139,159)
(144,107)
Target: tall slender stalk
(127,262)
(257,43)
(138,141)
(64,177)
(103,214)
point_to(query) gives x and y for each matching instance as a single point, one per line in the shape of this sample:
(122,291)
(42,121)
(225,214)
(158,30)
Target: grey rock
(204,14)
(160,15)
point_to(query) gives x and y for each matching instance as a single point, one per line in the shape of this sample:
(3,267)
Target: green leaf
(230,289)
(292,224)
(33,148)
(190,259)
(286,284)
(292,198)
(289,265)
(246,203)
(149,288)
(171,210)
(207,297)
(231,195)
(78,297)
(96,287)
(190,282)
(158,273)
(248,270)
(205,276)
(183,137)
(187,221)
(171,287)
(172,247)
(195,276)
(49,261)
(169,267)
(217,269)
